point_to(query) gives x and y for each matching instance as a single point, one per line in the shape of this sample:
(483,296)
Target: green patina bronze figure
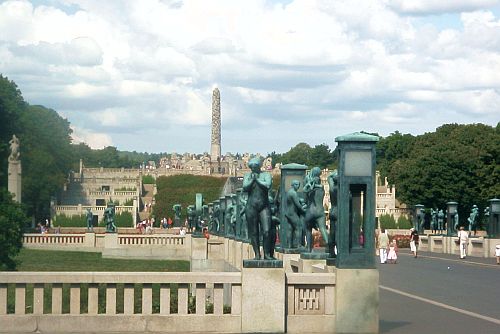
(473,221)
(294,215)
(89,217)
(191,213)
(257,209)
(315,216)
(177,214)
(440,220)
(333,215)
(244,225)
(109,218)
(455,221)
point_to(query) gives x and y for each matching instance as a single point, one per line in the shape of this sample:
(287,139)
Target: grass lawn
(47,260)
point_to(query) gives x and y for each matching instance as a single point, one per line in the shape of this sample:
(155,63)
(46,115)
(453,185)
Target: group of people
(388,250)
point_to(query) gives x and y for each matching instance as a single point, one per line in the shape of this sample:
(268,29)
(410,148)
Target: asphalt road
(439,293)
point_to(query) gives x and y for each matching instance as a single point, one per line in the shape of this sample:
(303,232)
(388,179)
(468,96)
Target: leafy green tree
(12,219)
(11,106)
(46,157)
(457,162)
(321,156)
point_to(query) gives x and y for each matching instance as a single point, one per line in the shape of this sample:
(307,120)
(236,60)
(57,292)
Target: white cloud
(426,7)
(131,69)
(93,139)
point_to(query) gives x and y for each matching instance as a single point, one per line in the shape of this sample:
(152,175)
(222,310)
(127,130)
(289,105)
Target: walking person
(383,244)
(414,239)
(497,253)
(463,236)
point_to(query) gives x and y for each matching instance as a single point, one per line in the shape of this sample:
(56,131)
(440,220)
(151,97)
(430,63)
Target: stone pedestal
(238,254)
(357,300)
(111,240)
(14,182)
(263,300)
(198,248)
(287,257)
(90,239)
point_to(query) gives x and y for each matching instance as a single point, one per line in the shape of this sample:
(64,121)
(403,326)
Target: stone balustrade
(154,302)
(75,210)
(151,240)
(53,239)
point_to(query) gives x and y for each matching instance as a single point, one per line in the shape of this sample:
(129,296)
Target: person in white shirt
(463,237)
(383,244)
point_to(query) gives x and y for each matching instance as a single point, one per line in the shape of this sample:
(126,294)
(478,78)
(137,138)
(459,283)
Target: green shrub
(182,189)
(148,179)
(70,221)
(404,223)
(387,221)
(129,202)
(122,219)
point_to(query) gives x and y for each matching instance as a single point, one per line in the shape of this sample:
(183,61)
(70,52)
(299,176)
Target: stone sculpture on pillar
(14,170)
(257,210)
(215,149)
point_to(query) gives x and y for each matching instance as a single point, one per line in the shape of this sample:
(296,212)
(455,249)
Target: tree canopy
(456,162)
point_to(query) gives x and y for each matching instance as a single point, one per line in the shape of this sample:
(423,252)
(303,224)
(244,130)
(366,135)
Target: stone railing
(151,240)
(311,302)
(75,210)
(53,239)
(67,302)
(478,246)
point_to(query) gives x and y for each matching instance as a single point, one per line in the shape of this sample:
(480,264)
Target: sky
(139,75)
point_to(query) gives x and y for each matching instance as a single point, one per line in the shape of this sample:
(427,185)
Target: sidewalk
(452,257)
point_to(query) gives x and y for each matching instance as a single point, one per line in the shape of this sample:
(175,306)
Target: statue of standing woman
(14,149)
(258,209)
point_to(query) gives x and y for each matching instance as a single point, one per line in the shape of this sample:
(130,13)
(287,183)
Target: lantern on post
(494,219)
(356,201)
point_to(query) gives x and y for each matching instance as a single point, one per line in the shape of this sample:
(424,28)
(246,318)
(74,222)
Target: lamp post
(356,201)
(494,223)
(452,211)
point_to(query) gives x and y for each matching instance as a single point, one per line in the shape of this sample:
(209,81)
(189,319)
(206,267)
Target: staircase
(146,198)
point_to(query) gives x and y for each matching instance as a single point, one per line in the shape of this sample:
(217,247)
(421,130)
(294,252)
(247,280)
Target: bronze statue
(89,217)
(315,216)
(294,216)
(333,181)
(473,219)
(257,210)
(109,218)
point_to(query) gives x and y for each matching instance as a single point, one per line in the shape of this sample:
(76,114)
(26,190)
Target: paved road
(439,293)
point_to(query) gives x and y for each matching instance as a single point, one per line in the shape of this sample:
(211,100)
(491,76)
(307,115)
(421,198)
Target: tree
(457,162)
(46,157)
(12,219)
(11,106)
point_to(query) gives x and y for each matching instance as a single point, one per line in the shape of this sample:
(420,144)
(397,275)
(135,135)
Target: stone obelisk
(215,151)
(14,171)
